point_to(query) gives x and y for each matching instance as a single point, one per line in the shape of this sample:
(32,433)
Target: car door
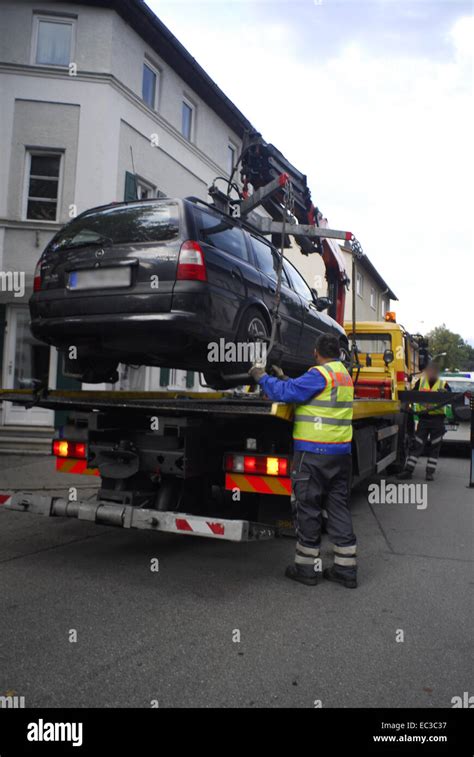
(315,323)
(231,275)
(291,311)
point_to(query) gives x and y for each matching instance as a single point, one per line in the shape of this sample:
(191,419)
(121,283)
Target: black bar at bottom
(144,732)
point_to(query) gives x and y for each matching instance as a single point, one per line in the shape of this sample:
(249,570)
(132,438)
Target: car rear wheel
(253,330)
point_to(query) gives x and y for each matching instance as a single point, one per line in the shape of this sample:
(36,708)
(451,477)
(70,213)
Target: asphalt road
(170,636)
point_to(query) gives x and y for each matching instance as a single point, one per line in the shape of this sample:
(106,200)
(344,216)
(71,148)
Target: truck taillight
(37,277)
(401,376)
(64,448)
(191,265)
(266,465)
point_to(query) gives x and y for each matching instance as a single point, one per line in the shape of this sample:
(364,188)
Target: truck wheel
(402,444)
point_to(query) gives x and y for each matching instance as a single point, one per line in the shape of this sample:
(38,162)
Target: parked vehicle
(460,382)
(157,282)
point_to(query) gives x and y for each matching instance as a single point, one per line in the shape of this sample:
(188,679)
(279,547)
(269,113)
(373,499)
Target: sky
(373,101)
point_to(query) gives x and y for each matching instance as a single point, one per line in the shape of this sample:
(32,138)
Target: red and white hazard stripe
(5,499)
(200,526)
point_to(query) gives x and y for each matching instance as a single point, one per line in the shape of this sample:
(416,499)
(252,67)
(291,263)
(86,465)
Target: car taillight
(191,266)
(64,448)
(37,277)
(266,465)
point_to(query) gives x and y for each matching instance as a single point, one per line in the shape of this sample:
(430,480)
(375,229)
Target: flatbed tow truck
(192,463)
(218,464)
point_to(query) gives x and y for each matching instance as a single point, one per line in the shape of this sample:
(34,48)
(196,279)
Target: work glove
(256,372)
(277,371)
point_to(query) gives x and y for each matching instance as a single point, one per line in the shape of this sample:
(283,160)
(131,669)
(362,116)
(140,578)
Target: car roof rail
(198,201)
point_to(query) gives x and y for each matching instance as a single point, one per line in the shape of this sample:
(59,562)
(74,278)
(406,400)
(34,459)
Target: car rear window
(147,222)
(217,232)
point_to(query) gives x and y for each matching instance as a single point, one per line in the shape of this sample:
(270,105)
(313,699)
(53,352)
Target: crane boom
(268,172)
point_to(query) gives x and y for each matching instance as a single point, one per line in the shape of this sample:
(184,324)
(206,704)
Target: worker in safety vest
(322,462)
(430,424)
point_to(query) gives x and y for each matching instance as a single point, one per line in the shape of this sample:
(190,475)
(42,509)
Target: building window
(54,41)
(230,159)
(384,307)
(150,85)
(145,191)
(360,285)
(43,175)
(373,298)
(187,121)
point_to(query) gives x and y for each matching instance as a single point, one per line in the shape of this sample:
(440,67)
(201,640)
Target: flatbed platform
(177,403)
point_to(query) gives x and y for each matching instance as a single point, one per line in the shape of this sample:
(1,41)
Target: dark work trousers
(432,428)
(323,481)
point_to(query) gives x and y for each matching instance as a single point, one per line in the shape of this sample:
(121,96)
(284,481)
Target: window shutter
(189,379)
(130,187)
(164,376)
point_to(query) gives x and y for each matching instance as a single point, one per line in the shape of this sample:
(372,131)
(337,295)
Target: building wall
(312,268)
(99,121)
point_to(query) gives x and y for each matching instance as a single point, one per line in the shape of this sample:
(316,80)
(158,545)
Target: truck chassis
(205,464)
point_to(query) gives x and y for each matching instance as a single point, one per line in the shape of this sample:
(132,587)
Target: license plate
(100,278)
(452,426)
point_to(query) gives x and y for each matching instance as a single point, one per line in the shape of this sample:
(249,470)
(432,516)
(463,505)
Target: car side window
(267,260)
(298,282)
(218,232)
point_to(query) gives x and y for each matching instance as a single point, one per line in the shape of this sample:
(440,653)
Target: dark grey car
(157,282)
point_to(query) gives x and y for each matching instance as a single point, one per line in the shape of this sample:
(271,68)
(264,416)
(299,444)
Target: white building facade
(98,103)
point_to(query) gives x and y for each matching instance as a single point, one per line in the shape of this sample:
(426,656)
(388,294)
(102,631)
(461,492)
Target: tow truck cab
(389,358)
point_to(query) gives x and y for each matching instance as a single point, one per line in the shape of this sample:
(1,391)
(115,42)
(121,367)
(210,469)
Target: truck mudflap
(125,516)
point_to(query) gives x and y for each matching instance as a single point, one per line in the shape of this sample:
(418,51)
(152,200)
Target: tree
(459,354)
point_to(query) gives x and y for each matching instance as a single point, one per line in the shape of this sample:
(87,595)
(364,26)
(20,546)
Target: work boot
(350,582)
(430,475)
(296,574)
(405,475)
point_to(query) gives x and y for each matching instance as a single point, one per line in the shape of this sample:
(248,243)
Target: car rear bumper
(129,332)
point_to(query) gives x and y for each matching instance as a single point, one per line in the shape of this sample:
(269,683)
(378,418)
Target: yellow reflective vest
(438,386)
(327,417)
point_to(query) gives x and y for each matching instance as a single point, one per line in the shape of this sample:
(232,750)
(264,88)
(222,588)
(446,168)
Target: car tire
(253,327)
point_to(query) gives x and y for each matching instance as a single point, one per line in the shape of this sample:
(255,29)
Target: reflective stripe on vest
(327,417)
(438,386)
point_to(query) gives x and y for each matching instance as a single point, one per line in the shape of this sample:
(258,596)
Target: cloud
(462,37)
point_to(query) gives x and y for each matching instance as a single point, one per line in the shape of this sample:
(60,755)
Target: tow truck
(218,464)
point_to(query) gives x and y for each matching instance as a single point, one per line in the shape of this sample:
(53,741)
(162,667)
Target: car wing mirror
(322,303)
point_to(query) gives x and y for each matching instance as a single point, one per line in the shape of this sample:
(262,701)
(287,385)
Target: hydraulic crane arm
(268,171)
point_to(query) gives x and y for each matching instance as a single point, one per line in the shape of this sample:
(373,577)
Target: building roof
(372,271)
(369,267)
(143,20)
